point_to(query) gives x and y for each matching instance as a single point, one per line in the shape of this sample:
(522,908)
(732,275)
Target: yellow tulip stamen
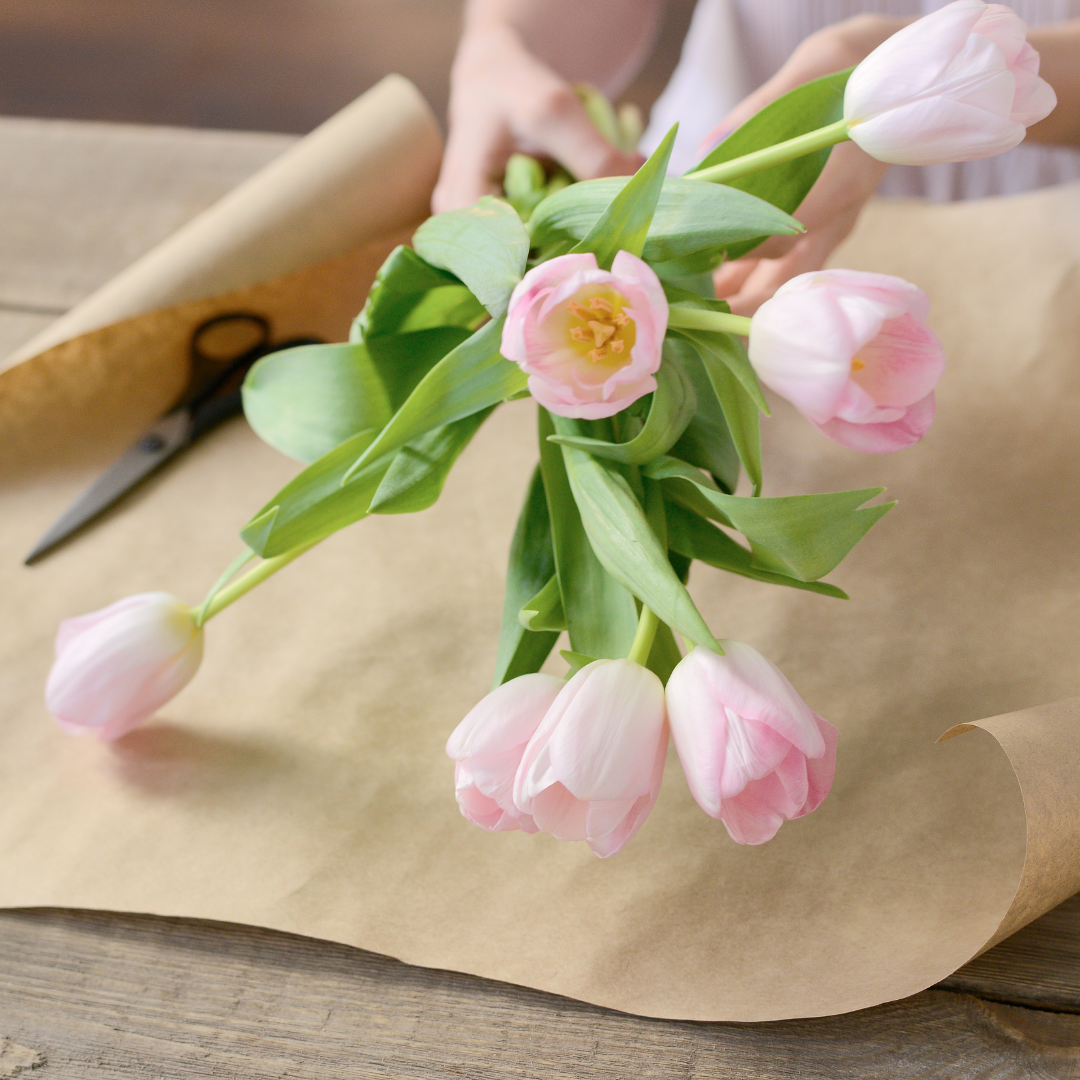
(601,323)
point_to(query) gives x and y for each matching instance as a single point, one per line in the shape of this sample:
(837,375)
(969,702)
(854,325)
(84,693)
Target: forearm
(603,42)
(1059,51)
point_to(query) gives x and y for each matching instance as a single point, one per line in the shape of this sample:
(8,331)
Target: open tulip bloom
(597,301)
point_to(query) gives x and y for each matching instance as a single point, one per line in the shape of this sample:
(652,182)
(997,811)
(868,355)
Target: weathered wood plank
(111,996)
(1039,966)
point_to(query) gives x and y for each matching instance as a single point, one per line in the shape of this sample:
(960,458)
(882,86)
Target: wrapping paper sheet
(300,782)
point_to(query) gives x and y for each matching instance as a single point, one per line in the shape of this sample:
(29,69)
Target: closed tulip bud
(592,769)
(958,84)
(754,753)
(851,352)
(116,667)
(589,339)
(488,745)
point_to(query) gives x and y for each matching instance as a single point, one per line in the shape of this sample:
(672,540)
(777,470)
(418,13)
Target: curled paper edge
(367,171)
(1042,745)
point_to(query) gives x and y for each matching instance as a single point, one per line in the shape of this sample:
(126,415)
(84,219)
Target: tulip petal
(947,131)
(753,817)
(741,769)
(911,61)
(820,771)
(116,667)
(1005,29)
(884,438)
(569,373)
(505,718)
(801,346)
(604,747)
(901,364)
(1035,98)
(484,811)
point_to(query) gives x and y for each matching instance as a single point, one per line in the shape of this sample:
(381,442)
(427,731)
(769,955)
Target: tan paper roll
(300,782)
(299,242)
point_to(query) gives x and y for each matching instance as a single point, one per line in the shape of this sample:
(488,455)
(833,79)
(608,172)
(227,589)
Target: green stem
(248,582)
(774,155)
(692,318)
(230,571)
(643,639)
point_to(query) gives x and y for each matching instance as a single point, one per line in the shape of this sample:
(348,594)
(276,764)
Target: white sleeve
(709,80)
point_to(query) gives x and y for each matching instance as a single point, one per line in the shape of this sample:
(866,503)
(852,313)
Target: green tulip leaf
(468,379)
(624,223)
(416,476)
(722,356)
(544,611)
(804,109)
(576,661)
(802,536)
(532,564)
(664,654)
(524,184)
(402,360)
(601,615)
(307,400)
(693,537)
(624,542)
(707,441)
(673,406)
(402,282)
(315,504)
(690,216)
(484,245)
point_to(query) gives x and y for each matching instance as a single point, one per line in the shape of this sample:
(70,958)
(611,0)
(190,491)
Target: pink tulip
(958,84)
(592,769)
(118,666)
(754,753)
(590,339)
(488,744)
(849,350)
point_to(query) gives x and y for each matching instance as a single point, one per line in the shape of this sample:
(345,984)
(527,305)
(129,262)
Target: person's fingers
(473,164)
(730,277)
(503,99)
(557,124)
(809,254)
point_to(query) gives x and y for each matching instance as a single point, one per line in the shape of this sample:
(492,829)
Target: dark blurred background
(261,65)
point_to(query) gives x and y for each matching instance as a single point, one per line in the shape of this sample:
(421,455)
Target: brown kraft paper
(300,782)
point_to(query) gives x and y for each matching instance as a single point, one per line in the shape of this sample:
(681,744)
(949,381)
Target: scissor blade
(170,434)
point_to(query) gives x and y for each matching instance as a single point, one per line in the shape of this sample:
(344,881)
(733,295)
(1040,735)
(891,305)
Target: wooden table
(91,994)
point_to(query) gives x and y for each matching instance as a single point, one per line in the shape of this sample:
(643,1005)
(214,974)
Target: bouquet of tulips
(596,299)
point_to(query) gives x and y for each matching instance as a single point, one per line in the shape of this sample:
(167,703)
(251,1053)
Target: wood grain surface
(98,995)
(119,996)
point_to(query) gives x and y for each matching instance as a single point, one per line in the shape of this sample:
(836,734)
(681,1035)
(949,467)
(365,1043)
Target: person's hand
(502,100)
(848,180)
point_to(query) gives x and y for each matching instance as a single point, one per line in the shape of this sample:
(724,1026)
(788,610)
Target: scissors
(223,348)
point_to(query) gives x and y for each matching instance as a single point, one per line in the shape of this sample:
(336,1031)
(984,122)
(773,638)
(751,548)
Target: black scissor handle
(210,369)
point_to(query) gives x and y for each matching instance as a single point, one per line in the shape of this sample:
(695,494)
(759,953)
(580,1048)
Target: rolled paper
(366,172)
(299,243)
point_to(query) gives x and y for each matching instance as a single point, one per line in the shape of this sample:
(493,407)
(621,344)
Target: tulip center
(599,329)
